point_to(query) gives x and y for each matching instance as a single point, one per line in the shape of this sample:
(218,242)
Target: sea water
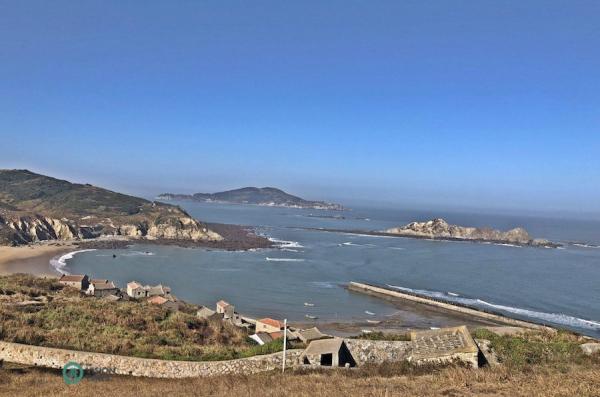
(552,286)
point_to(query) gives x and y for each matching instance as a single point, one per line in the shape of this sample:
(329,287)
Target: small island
(264,196)
(440,229)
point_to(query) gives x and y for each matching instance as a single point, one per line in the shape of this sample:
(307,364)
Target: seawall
(135,366)
(384,292)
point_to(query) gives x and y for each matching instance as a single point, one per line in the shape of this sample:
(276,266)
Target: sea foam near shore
(556,318)
(59,263)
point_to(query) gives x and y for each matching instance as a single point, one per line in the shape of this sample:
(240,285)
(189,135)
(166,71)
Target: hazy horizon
(470,105)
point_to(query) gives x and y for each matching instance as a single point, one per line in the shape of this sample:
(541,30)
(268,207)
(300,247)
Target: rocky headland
(36,208)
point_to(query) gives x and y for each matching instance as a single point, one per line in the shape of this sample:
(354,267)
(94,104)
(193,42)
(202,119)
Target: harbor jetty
(391,294)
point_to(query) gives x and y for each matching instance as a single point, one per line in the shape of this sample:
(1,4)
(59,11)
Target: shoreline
(33,258)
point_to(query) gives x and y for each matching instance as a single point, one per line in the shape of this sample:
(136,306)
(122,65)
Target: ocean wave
(368,235)
(585,245)
(285,243)
(555,318)
(397,248)
(284,259)
(508,245)
(351,244)
(60,263)
(138,253)
(324,284)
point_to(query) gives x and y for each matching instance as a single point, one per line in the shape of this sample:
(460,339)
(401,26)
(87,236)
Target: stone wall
(123,365)
(373,351)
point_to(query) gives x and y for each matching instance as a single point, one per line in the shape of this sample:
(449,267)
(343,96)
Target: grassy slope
(128,328)
(30,192)
(576,380)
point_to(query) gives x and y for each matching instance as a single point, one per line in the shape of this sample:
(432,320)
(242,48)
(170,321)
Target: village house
(137,290)
(102,289)
(311,334)
(161,301)
(268,325)
(226,309)
(262,337)
(79,281)
(206,313)
(328,352)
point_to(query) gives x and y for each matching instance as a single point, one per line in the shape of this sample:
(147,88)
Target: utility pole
(284,344)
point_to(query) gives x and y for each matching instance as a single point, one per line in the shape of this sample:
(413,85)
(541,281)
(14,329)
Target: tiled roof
(157,300)
(108,285)
(133,285)
(311,334)
(222,303)
(271,322)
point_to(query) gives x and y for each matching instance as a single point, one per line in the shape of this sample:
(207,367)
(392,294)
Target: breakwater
(387,293)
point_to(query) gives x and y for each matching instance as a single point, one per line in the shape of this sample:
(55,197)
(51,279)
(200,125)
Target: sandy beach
(33,258)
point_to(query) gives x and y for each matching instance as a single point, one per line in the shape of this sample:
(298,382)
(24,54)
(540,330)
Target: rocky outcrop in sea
(440,229)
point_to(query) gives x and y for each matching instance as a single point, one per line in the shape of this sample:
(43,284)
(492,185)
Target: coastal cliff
(35,208)
(440,229)
(264,196)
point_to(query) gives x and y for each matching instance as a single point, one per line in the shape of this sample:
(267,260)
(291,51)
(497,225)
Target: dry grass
(542,382)
(68,320)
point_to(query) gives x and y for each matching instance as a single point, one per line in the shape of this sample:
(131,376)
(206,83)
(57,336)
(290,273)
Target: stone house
(328,352)
(226,309)
(268,325)
(311,334)
(262,337)
(161,301)
(137,290)
(79,281)
(102,289)
(206,313)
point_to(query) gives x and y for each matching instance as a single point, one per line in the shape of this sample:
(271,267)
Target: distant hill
(35,207)
(267,196)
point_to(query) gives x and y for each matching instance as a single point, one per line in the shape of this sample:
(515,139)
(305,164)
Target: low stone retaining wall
(373,290)
(123,365)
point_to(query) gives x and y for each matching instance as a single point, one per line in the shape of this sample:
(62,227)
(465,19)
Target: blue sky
(467,104)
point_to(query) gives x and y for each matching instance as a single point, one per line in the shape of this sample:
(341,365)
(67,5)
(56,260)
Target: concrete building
(444,345)
(328,352)
(268,325)
(79,281)
(102,289)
